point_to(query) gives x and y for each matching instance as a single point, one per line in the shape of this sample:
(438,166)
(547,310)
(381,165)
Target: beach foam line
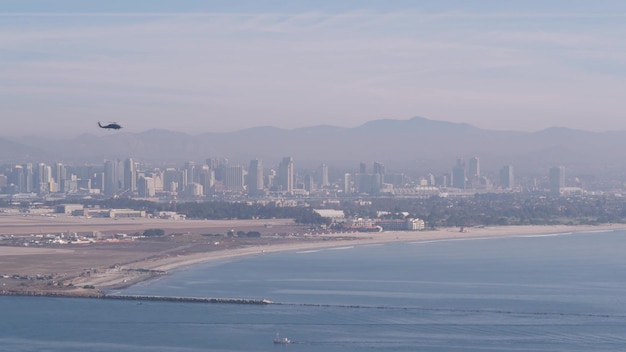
(546,235)
(453,240)
(325,249)
(597,231)
(310,251)
(339,248)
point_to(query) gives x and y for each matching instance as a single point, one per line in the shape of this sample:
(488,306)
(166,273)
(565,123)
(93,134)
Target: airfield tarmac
(65,262)
(16,224)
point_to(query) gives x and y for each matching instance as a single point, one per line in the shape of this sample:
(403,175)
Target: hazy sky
(199,66)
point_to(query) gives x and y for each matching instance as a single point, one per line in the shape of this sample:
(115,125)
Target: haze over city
(206,66)
(352,175)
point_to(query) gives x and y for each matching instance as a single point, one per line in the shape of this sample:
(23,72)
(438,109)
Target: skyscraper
(43,175)
(206,177)
(286,176)
(347,187)
(110,186)
(323,175)
(270,178)
(506,177)
(369,183)
(474,167)
(158,176)
(458,174)
(309,183)
(130,176)
(557,179)
(59,174)
(255,176)
(233,178)
(28,177)
(218,165)
(190,167)
(173,180)
(379,169)
(17,178)
(362,168)
(145,187)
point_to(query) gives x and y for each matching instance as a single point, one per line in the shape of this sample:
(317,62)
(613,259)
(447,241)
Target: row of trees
(217,210)
(501,209)
(481,209)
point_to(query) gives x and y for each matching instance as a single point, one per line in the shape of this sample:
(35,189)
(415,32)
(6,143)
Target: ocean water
(560,292)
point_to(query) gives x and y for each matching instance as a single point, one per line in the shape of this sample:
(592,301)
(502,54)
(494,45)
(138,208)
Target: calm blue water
(526,293)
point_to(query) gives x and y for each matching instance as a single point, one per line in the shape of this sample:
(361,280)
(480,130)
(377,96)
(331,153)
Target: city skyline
(218,179)
(205,66)
(354,175)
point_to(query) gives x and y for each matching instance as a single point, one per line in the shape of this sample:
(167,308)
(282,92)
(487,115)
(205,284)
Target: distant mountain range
(418,141)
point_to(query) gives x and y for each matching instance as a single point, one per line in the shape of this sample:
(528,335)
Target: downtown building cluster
(128,178)
(217,178)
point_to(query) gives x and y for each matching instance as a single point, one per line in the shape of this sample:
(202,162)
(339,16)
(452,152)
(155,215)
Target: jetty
(102,295)
(187,299)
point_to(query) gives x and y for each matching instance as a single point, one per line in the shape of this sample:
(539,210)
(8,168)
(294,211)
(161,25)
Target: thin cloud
(298,69)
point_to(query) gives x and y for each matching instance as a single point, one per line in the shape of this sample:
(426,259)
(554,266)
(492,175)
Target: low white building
(171,215)
(68,208)
(334,215)
(401,225)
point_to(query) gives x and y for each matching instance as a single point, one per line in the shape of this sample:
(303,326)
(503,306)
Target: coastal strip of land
(125,269)
(129,274)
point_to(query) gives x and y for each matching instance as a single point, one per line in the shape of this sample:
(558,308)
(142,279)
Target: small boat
(281,340)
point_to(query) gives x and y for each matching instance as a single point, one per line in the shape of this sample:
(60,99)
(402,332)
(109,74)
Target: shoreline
(124,275)
(131,274)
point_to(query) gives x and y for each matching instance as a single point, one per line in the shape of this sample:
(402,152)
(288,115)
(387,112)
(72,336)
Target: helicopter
(111,126)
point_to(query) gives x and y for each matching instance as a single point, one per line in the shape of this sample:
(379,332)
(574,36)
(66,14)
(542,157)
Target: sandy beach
(90,269)
(126,275)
